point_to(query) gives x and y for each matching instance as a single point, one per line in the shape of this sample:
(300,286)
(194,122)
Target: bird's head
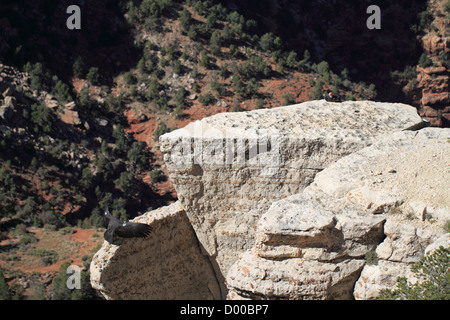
(107,213)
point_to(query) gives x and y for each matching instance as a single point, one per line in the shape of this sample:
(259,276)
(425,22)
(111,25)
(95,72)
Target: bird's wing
(109,233)
(133,230)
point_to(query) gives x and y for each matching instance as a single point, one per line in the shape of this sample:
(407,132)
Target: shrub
(433,272)
(160,130)
(156,176)
(4,289)
(125,182)
(291,60)
(129,78)
(43,117)
(323,67)
(38,76)
(93,76)
(267,41)
(27,239)
(47,257)
(371,258)
(205,99)
(288,99)
(185,19)
(204,60)
(424,61)
(446,6)
(78,67)
(62,91)
(259,104)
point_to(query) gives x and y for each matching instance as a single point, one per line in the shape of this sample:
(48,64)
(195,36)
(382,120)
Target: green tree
(86,177)
(153,89)
(269,42)
(424,61)
(78,67)
(43,117)
(317,92)
(62,91)
(266,41)
(179,96)
(135,154)
(291,60)
(121,138)
(216,41)
(93,76)
(251,88)
(323,67)
(118,209)
(192,33)
(86,292)
(125,182)
(156,176)
(204,60)
(185,19)
(38,76)
(4,289)
(211,20)
(205,99)
(306,61)
(160,130)
(238,86)
(176,64)
(433,272)
(129,78)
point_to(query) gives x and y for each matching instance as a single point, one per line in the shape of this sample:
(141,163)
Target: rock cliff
(167,265)
(313,245)
(269,222)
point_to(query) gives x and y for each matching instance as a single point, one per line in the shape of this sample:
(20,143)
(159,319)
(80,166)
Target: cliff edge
(235,173)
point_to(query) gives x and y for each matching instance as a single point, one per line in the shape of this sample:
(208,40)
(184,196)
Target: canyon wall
(273,212)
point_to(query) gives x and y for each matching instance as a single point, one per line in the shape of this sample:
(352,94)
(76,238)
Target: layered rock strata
(227,169)
(315,245)
(168,264)
(285,204)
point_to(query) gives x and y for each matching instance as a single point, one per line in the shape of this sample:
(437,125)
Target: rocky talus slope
(285,203)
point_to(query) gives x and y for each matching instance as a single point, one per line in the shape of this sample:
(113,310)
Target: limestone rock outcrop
(332,225)
(167,265)
(227,169)
(288,203)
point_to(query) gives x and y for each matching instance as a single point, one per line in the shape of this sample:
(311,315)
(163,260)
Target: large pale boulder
(332,222)
(304,227)
(227,169)
(307,249)
(166,265)
(253,277)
